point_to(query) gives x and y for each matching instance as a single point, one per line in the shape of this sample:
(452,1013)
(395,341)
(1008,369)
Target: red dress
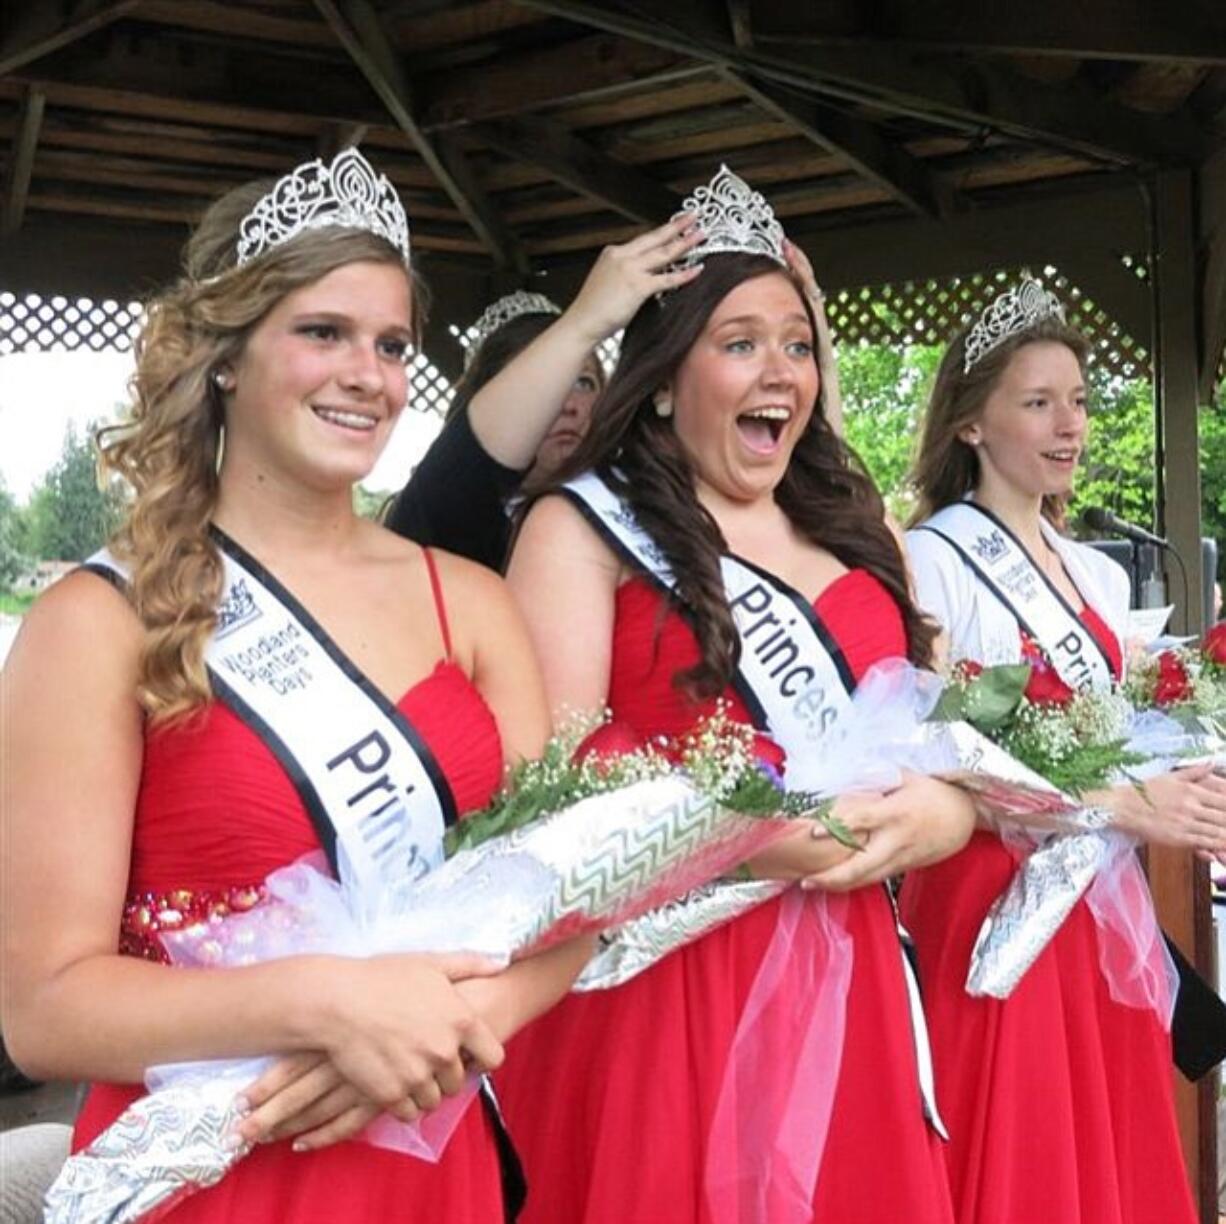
(1059,1101)
(215,815)
(610,1095)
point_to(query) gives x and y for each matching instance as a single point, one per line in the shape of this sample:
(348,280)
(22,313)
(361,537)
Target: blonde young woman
(262,657)
(1059,1098)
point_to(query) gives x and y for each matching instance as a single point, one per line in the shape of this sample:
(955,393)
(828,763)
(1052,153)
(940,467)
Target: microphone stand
(1150,581)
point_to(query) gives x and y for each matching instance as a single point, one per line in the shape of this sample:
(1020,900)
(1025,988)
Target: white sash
(999,561)
(791,675)
(374,791)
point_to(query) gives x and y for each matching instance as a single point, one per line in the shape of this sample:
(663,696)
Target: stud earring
(221,382)
(663,404)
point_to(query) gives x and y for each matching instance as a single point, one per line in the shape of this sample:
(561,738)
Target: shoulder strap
(440,606)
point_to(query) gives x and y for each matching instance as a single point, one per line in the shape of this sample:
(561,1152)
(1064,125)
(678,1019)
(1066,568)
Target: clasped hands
(398,1034)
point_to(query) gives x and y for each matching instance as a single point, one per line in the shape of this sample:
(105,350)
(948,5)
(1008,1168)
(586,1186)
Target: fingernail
(807,886)
(299,1146)
(242,1105)
(232,1141)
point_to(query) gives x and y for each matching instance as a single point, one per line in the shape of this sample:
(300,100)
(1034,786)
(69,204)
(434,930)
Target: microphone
(1097,519)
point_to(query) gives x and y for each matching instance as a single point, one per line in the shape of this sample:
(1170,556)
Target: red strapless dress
(610,1096)
(1059,1101)
(215,814)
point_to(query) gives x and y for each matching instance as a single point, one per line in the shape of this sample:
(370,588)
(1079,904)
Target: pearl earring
(221,382)
(664,405)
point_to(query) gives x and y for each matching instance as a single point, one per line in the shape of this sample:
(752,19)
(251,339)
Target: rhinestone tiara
(347,193)
(1015,310)
(733,218)
(500,313)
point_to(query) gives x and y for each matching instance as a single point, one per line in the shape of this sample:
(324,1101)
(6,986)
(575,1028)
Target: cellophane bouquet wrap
(884,731)
(573,845)
(1030,748)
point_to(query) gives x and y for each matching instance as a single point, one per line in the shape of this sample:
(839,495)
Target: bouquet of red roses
(1187,683)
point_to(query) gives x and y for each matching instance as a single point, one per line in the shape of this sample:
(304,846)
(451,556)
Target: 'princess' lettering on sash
(787,674)
(777,652)
(1003,566)
(382,817)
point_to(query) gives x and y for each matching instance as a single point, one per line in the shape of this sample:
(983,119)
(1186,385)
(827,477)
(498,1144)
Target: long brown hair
(169,448)
(946,469)
(825,491)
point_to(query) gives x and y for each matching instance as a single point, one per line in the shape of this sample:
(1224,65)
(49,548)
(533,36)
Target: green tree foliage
(14,546)
(885,389)
(70,514)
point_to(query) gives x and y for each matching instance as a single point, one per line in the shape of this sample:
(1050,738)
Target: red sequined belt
(147,914)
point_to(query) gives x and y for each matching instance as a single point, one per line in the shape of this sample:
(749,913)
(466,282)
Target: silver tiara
(733,218)
(347,194)
(1015,310)
(501,313)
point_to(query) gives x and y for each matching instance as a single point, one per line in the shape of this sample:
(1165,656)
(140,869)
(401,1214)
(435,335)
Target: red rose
(1045,686)
(1214,644)
(967,669)
(608,742)
(767,752)
(1174,684)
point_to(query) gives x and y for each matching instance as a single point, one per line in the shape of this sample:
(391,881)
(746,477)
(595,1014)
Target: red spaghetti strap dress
(1059,1100)
(610,1096)
(215,815)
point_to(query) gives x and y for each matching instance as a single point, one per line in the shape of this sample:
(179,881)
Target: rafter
(583,70)
(740,19)
(582,167)
(968,96)
(41,29)
(357,27)
(1118,29)
(859,143)
(21,161)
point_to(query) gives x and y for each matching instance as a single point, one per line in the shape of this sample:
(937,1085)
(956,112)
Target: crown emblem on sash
(346,193)
(733,219)
(236,609)
(990,547)
(1015,310)
(501,313)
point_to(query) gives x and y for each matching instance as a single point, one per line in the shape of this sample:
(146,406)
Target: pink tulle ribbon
(1132,954)
(773,1110)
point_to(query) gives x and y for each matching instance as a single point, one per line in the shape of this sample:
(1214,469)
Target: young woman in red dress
(1059,1098)
(658,1100)
(138,794)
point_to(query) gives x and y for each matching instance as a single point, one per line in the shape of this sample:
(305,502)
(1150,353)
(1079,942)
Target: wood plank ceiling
(527,135)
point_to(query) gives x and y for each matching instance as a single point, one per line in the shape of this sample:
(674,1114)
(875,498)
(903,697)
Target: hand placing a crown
(827,368)
(626,275)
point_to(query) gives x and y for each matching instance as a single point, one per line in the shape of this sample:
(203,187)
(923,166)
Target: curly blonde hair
(169,449)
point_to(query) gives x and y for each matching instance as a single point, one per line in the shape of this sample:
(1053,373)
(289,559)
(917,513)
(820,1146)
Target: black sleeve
(456,498)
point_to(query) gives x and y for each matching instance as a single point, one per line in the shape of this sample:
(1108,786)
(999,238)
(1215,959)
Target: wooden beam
(334,137)
(1211,191)
(1094,29)
(587,69)
(1180,885)
(858,143)
(740,19)
(969,96)
(357,27)
(1106,216)
(582,168)
(21,161)
(42,28)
